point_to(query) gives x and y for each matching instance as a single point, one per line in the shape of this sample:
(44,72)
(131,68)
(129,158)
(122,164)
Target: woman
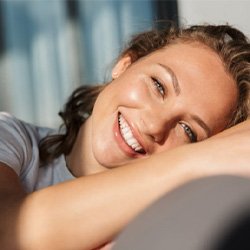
(170,88)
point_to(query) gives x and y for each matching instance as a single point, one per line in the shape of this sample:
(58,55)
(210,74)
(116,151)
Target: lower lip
(121,143)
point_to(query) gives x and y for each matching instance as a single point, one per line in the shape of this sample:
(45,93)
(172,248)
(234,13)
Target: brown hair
(229,43)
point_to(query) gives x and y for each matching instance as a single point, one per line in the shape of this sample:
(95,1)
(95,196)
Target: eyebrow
(177,91)
(174,80)
(202,124)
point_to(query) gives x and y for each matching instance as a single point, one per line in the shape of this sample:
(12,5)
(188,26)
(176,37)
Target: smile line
(128,136)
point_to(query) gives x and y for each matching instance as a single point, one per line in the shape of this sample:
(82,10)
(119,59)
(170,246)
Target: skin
(72,214)
(157,112)
(115,194)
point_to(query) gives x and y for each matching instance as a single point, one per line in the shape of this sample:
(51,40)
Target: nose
(157,126)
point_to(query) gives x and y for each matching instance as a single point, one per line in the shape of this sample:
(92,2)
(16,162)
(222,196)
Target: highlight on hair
(231,45)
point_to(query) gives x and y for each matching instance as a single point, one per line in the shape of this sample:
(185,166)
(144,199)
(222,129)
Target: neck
(81,160)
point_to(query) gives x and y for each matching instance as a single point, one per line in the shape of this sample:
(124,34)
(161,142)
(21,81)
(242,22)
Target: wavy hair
(231,45)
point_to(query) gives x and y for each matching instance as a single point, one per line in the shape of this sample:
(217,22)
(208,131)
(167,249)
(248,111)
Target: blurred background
(50,47)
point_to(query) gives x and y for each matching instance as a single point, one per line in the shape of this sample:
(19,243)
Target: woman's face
(180,94)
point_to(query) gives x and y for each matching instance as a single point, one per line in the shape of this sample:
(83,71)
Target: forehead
(187,50)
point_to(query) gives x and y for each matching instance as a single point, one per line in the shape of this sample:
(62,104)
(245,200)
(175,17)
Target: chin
(108,161)
(109,155)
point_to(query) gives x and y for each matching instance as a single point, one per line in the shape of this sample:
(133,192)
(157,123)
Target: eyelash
(159,86)
(189,132)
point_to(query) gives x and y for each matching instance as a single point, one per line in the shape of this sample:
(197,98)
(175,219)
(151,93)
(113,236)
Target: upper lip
(136,134)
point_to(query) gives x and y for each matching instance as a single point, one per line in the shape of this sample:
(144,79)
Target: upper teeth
(128,135)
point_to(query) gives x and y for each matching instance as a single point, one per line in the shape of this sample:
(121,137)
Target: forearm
(89,211)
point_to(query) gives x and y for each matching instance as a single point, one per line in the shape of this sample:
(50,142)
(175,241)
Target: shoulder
(19,150)
(12,125)
(18,141)
(7,119)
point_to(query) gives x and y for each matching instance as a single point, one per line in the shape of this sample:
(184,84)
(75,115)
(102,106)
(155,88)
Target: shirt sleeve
(15,143)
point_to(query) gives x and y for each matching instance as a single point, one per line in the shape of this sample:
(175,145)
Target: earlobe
(121,66)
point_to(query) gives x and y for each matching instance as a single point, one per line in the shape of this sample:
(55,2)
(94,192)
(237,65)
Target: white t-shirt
(19,150)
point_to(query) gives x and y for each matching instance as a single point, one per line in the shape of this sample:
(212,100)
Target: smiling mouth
(128,136)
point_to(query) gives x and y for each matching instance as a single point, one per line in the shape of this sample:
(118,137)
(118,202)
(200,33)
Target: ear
(121,66)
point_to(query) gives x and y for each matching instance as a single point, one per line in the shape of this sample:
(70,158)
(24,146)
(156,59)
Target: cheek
(134,94)
(123,93)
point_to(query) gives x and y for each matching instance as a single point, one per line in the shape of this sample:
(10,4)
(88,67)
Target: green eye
(189,132)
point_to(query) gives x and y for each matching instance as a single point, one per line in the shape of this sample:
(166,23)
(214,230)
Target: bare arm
(86,212)
(89,211)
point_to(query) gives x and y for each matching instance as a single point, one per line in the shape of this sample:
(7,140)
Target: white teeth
(131,142)
(128,135)
(126,130)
